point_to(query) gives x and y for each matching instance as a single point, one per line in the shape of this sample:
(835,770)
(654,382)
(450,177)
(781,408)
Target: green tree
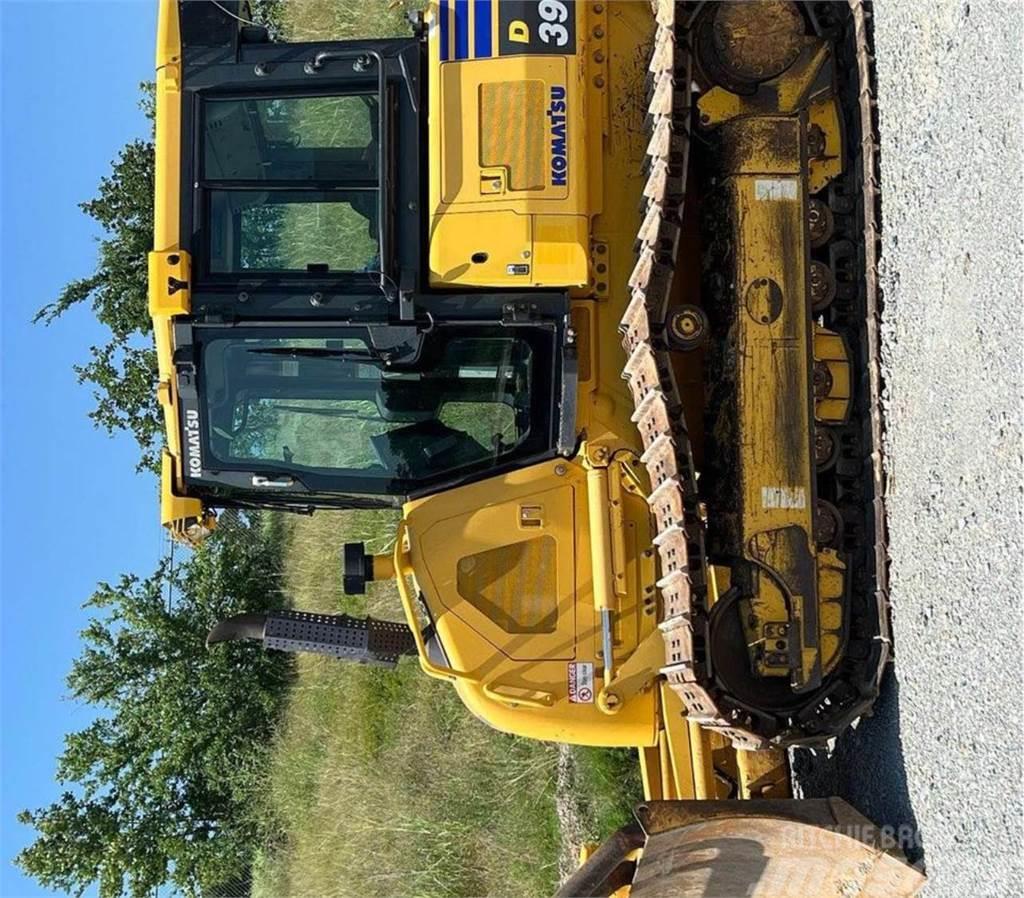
(163,786)
(121,371)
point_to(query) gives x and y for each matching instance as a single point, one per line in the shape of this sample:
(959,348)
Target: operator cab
(311,363)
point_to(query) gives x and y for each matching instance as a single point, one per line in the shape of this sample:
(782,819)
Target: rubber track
(678,513)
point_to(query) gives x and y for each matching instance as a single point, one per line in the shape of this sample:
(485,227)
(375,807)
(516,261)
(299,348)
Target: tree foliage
(162,786)
(121,371)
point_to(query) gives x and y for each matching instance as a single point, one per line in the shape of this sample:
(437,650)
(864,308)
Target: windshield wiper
(263,504)
(323,352)
(303,504)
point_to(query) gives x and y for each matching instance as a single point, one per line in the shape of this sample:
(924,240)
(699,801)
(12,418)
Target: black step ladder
(364,640)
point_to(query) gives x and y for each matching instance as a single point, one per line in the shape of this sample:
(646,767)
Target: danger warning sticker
(581,682)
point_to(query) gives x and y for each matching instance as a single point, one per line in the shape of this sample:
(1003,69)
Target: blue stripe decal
(462,29)
(482,31)
(442,25)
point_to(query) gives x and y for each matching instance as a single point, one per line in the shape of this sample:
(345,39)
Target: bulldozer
(588,291)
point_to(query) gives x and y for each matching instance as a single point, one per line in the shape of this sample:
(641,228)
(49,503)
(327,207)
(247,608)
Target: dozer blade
(818,848)
(363,640)
(773,580)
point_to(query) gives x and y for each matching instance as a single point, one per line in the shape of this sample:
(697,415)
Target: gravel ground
(942,756)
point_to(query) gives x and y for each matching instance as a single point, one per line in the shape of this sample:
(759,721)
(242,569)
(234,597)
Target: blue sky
(73,509)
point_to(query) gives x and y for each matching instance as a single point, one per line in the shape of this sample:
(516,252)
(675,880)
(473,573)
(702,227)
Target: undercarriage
(773,574)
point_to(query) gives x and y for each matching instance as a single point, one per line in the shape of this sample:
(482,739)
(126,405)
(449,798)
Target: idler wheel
(740,45)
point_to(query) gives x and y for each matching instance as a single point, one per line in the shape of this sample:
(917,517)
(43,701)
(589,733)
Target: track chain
(678,513)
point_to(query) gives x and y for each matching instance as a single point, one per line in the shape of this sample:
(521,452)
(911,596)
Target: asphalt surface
(941,759)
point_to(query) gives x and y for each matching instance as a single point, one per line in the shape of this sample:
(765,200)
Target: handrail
(404,569)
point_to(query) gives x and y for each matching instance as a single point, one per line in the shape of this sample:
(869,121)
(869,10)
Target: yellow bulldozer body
(543,583)
(515,570)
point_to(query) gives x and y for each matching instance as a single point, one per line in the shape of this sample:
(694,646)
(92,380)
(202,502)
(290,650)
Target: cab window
(310,405)
(290,185)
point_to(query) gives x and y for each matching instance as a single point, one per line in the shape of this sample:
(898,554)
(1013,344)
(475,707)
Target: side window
(291,185)
(292,231)
(291,139)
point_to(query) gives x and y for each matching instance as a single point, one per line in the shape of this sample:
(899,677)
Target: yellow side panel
(508,166)
(174,507)
(504,249)
(504,568)
(458,568)
(494,114)
(463,248)
(559,249)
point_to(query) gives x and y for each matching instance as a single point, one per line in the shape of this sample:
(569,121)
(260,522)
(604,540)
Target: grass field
(382,784)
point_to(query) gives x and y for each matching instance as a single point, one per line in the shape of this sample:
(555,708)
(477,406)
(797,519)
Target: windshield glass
(291,184)
(324,406)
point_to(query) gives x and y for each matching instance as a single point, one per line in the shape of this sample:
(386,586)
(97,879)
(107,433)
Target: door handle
(279,482)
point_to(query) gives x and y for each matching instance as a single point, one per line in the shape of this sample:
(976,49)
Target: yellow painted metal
(184,515)
(608,76)
(703,771)
(665,767)
(762,774)
(680,765)
(831,594)
(508,163)
(637,673)
(403,570)
(600,539)
(828,164)
(676,757)
(833,407)
(168,129)
(520,681)
(188,520)
(684,760)
(650,770)
(510,696)
(777,466)
(170,273)
(788,620)
(384,567)
(788,93)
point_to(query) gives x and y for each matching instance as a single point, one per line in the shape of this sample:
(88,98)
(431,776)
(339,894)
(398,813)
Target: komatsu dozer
(587,290)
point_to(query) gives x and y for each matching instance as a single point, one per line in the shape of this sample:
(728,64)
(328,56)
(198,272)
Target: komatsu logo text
(558,125)
(193,452)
